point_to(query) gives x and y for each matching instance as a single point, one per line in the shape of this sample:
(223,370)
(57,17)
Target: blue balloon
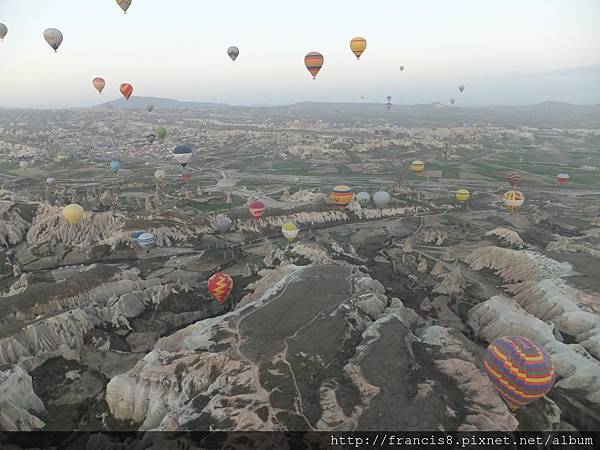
(146,241)
(115,166)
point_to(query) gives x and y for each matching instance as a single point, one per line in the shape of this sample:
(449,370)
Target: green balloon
(161,132)
(62,155)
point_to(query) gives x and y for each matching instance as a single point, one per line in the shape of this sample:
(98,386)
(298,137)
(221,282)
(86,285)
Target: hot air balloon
(563,178)
(520,370)
(220,286)
(363,198)
(3,31)
(146,241)
(50,181)
(160,175)
(257,209)
(462,195)
(388,98)
(513,200)
(513,178)
(290,231)
(151,137)
(452,100)
(222,224)
(149,108)
(362,97)
(115,166)
(73,213)
(126,89)
(99,84)
(182,154)
(401,68)
(161,132)
(53,37)
(461,88)
(62,155)
(186,176)
(358,46)
(233,52)
(23,164)
(341,195)
(124,4)
(417,167)
(314,62)
(381,199)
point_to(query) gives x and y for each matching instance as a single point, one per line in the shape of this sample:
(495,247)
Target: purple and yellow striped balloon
(520,370)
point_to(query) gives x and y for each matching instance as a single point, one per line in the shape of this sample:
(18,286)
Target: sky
(506,52)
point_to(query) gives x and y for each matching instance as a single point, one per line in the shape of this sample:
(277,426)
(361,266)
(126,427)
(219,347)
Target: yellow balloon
(417,167)
(462,195)
(358,46)
(73,213)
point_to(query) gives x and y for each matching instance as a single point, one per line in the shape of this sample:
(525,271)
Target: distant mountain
(137,102)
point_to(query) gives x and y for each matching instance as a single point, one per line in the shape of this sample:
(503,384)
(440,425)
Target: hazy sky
(504,51)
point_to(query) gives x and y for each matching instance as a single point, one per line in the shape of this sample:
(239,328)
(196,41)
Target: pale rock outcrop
(507,236)
(18,401)
(438,269)
(570,245)
(422,265)
(449,255)
(438,237)
(453,284)
(13,227)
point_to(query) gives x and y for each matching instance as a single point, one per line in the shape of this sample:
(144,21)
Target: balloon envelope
(358,46)
(257,209)
(182,154)
(363,198)
(513,178)
(23,164)
(401,68)
(149,108)
(99,84)
(313,62)
(452,100)
(151,137)
(3,31)
(417,167)
(115,166)
(462,195)
(461,88)
(381,199)
(160,175)
(50,181)
(513,200)
(233,52)
(222,224)
(73,213)
(146,241)
(53,37)
(161,132)
(290,231)
(124,4)
(220,286)
(562,178)
(342,195)
(520,370)
(126,89)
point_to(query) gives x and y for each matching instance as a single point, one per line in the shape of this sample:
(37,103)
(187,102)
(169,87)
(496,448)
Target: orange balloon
(220,286)
(313,62)
(126,89)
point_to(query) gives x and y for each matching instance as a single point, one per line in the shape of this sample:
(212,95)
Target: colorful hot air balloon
(3,31)
(461,88)
(50,181)
(313,62)
(462,195)
(151,137)
(257,209)
(160,175)
(124,4)
(452,100)
(563,178)
(149,108)
(99,84)
(520,370)
(513,200)
(73,213)
(358,46)
(23,164)
(53,37)
(220,286)
(186,177)
(363,198)
(146,241)
(341,195)
(222,224)
(126,89)
(290,231)
(381,199)
(115,166)
(161,132)
(417,167)
(401,68)
(233,52)
(182,154)
(513,178)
